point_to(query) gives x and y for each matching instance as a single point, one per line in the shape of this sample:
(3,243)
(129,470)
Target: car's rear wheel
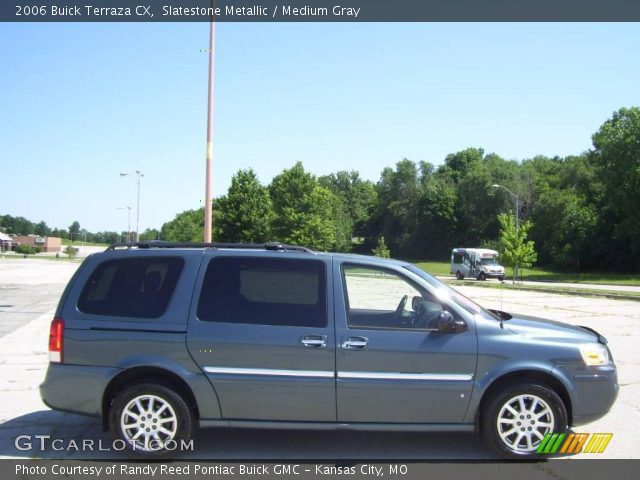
(152,420)
(516,419)
(482,276)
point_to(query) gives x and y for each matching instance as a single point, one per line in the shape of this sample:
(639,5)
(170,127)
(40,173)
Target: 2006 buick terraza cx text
(159,338)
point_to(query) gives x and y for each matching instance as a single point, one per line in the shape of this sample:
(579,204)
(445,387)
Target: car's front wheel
(516,419)
(152,420)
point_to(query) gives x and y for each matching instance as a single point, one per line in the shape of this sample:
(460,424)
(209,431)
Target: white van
(480,263)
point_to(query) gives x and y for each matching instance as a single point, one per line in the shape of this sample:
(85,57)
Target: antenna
(501,310)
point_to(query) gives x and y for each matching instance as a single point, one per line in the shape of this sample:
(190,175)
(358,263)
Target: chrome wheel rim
(523,421)
(148,422)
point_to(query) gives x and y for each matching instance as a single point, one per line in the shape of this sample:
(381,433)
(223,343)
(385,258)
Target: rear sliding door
(262,331)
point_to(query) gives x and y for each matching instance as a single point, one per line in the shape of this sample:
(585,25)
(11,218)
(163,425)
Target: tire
(502,410)
(171,420)
(501,279)
(482,276)
(459,276)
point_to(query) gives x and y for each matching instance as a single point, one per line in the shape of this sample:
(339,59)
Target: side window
(458,258)
(380,298)
(264,291)
(131,287)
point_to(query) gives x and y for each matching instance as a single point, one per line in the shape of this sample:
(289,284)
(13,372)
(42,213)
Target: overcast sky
(81,103)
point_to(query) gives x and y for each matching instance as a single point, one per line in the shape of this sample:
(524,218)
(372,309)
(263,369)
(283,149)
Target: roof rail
(276,246)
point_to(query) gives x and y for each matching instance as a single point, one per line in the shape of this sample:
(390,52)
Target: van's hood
(535,327)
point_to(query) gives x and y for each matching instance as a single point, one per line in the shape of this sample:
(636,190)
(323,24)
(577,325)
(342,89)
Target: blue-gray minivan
(158,339)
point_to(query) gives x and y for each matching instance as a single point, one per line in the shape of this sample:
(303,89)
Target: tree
(515,250)
(74,230)
(477,202)
(358,196)
(381,249)
(187,226)
(564,228)
(303,209)
(16,225)
(41,229)
(246,212)
(436,214)
(616,156)
(396,216)
(150,234)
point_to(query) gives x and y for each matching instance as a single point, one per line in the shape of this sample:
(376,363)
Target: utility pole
(209,155)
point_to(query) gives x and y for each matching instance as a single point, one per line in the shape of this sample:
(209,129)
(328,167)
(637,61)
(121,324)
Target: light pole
(139,175)
(209,155)
(517,200)
(128,222)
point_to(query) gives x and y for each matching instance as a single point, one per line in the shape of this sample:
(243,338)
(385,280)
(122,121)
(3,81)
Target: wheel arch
(533,376)
(146,374)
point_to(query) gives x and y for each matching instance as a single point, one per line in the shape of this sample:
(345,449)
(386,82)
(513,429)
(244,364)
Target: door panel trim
(446,377)
(272,372)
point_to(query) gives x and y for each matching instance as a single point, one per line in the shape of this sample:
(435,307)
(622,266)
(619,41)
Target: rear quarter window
(131,287)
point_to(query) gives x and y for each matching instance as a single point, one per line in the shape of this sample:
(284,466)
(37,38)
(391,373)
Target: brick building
(46,244)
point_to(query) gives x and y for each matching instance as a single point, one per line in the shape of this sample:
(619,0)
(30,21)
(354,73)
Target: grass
(52,258)
(435,268)
(582,292)
(542,275)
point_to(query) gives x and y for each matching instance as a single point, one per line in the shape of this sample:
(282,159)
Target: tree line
(582,212)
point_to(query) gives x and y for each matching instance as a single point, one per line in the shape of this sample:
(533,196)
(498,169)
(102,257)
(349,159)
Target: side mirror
(448,324)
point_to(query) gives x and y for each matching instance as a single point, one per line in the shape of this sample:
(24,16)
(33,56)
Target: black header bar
(320,11)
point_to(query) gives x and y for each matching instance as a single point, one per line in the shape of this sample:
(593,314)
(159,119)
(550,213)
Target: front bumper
(494,274)
(593,393)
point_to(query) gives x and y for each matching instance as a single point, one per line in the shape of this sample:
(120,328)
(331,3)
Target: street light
(128,222)
(517,200)
(139,175)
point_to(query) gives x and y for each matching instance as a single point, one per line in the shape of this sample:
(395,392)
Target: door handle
(354,343)
(314,341)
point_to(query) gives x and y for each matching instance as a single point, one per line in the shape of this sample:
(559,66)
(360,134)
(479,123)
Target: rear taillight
(56,333)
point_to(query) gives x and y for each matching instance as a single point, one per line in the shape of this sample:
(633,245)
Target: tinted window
(264,291)
(132,287)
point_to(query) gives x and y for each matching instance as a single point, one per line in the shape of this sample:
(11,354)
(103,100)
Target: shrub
(27,249)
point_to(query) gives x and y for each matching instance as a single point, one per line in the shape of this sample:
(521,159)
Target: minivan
(158,339)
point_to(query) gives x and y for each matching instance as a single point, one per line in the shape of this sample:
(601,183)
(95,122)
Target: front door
(391,366)
(262,331)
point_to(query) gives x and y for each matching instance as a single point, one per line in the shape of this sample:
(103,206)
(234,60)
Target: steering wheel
(400,308)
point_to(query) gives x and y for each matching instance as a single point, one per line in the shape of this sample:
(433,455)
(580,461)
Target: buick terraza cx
(158,339)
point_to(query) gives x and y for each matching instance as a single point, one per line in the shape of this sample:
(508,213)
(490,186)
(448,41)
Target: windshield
(446,293)
(489,261)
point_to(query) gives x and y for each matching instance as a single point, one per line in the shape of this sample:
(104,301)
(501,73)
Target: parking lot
(29,291)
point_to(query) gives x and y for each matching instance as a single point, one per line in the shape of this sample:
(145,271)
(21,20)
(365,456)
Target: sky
(81,103)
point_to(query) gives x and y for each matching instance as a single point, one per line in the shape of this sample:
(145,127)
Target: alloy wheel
(148,422)
(523,421)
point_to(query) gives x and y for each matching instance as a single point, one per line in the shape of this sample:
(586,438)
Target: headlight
(594,354)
